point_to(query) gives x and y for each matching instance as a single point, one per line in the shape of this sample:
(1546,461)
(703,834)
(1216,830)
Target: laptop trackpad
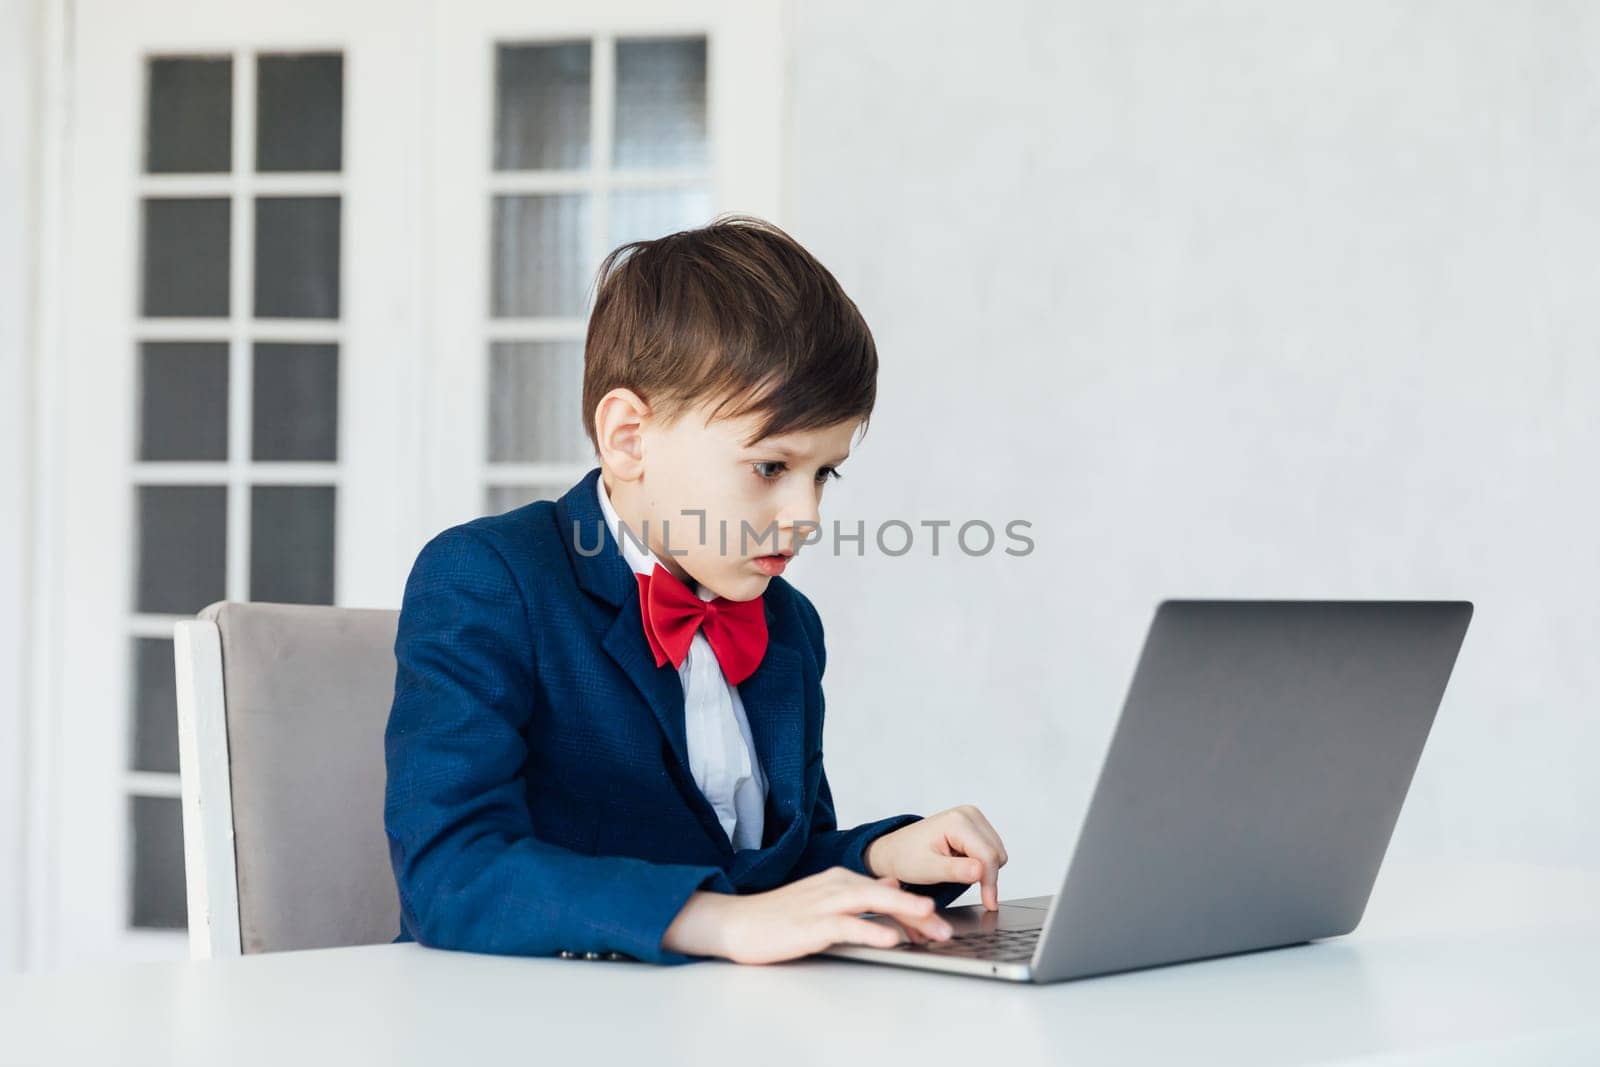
(1025,913)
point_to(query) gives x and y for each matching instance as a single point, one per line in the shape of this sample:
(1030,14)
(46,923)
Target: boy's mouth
(772,565)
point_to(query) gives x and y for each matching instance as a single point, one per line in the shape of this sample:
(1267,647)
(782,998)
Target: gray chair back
(306,694)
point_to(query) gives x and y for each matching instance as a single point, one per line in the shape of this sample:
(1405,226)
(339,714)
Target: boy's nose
(795,531)
(799,518)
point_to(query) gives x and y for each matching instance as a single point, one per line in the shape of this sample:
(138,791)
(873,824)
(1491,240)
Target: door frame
(33,125)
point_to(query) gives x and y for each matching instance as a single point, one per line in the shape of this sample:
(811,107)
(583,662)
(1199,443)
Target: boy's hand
(957,845)
(801,918)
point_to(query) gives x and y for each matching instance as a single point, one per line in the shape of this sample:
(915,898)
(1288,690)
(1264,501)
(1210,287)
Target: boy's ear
(618,425)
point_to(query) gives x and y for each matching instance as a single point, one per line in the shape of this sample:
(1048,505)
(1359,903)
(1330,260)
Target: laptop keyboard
(1004,945)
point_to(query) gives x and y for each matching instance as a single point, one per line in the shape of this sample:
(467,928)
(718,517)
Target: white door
(324,275)
(240,341)
(563,130)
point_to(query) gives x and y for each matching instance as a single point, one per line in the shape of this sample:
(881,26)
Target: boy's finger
(990,834)
(970,869)
(848,928)
(965,869)
(909,910)
(978,847)
(928,928)
(884,899)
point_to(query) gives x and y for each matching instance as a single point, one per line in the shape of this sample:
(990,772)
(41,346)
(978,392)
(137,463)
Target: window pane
(297,257)
(185,257)
(300,112)
(661,103)
(183,400)
(291,544)
(535,402)
(640,214)
(538,263)
(155,706)
(296,402)
(501,498)
(189,116)
(159,899)
(541,119)
(182,549)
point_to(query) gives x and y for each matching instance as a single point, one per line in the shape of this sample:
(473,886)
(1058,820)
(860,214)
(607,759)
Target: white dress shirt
(722,755)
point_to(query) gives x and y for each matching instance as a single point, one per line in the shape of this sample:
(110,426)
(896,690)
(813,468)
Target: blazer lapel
(772,696)
(774,703)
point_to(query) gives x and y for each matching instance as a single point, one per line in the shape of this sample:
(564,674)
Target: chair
(281,715)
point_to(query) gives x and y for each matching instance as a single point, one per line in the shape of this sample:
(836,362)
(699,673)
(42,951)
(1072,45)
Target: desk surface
(1475,965)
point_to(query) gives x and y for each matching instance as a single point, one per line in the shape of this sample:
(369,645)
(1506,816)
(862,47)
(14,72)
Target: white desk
(1483,965)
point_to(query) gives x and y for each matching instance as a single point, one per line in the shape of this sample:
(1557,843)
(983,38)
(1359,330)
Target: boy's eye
(772,470)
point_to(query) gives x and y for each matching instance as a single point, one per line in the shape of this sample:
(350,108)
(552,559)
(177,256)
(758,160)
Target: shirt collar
(639,557)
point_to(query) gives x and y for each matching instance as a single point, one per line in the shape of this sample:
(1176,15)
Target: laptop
(1246,800)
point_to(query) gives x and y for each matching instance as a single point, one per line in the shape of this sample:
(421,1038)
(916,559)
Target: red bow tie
(736,630)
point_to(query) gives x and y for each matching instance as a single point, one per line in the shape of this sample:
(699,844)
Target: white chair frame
(210,871)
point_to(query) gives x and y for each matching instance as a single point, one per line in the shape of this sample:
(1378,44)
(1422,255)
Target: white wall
(16,130)
(1245,299)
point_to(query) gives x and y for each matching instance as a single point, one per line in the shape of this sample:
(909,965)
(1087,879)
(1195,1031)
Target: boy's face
(760,502)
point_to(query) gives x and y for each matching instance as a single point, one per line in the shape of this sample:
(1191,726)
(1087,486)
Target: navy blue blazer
(539,796)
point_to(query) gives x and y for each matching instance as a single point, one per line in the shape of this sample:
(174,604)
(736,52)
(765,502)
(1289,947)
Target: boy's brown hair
(735,310)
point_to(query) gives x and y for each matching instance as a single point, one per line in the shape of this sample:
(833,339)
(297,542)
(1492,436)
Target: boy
(606,737)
